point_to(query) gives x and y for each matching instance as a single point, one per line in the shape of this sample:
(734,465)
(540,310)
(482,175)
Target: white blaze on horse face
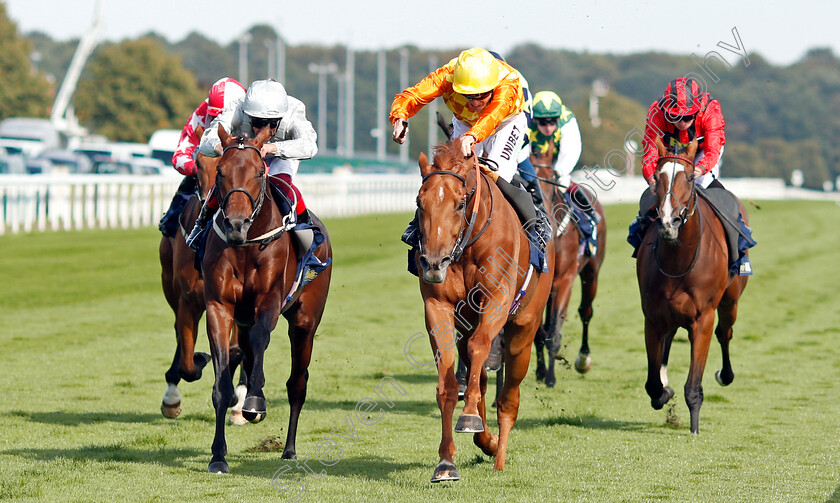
(670,170)
(440,194)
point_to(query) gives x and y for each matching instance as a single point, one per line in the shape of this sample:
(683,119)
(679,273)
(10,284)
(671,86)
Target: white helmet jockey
(266,99)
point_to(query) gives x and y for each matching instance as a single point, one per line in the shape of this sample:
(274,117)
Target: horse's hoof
(237,418)
(723,382)
(200,360)
(667,394)
(550,380)
(540,373)
(445,472)
(171,411)
(469,423)
(254,409)
(289,454)
(583,363)
(218,467)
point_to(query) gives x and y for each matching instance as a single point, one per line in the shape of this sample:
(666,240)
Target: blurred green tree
(133,88)
(23,92)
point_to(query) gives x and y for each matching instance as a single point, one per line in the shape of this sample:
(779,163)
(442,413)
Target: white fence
(34,202)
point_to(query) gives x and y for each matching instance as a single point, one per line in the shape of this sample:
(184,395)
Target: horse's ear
(425,167)
(262,137)
(691,151)
(224,136)
(660,147)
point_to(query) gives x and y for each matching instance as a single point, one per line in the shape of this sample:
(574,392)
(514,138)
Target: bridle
(684,216)
(466,228)
(257,202)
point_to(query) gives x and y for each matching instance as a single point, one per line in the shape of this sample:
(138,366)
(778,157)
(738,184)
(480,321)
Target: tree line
(778,118)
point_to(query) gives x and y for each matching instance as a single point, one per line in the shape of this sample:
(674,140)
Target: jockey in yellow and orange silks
(486,96)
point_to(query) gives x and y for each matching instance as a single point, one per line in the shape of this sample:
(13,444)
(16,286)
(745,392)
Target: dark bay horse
(473,261)
(683,272)
(183,288)
(250,271)
(569,263)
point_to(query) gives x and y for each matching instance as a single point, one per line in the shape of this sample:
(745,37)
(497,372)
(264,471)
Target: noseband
(256,203)
(460,246)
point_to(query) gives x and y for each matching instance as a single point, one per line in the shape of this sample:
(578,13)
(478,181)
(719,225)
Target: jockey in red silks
(685,113)
(223,92)
(293,139)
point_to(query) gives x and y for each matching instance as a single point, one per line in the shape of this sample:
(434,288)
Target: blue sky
(777,30)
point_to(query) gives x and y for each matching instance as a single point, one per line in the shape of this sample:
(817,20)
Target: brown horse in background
(250,283)
(472,263)
(683,272)
(183,288)
(568,264)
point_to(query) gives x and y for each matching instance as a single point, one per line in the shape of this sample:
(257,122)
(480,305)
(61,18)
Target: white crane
(62,115)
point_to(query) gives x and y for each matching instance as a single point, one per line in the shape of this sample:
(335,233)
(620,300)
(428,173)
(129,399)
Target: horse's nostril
(444,263)
(423,262)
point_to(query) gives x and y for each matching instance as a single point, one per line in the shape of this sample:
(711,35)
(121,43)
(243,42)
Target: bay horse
(569,262)
(183,288)
(683,272)
(470,276)
(250,283)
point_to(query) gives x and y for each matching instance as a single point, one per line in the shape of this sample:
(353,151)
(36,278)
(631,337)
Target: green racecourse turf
(86,337)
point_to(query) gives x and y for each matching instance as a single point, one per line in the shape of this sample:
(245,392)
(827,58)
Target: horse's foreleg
(477,349)
(218,331)
(191,363)
(240,355)
(656,341)
(727,313)
(700,335)
(447,400)
(259,335)
(485,440)
(517,358)
(589,287)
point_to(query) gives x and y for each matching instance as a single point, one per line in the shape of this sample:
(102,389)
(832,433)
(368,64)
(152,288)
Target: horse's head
(441,210)
(240,183)
(675,193)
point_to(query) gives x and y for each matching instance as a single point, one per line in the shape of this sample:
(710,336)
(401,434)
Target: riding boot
(411,237)
(168,224)
(536,194)
(583,202)
(204,216)
(537,228)
(639,226)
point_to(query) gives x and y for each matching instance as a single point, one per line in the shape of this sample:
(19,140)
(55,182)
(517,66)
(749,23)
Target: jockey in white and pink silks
(223,92)
(293,139)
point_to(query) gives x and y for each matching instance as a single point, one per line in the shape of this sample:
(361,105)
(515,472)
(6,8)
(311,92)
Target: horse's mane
(448,157)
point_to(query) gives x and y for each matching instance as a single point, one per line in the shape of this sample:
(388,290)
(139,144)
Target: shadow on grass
(835,496)
(116,452)
(424,407)
(78,418)
(587,422)
(355,467)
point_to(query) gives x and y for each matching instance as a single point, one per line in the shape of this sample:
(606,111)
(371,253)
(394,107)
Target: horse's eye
(219,173)
(462,205)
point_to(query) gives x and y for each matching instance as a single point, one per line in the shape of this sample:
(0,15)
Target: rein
(475,194)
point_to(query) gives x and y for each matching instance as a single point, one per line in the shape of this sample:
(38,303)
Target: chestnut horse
(473,261)
(683,272)
(250,282)
(569,263)
(184,291)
